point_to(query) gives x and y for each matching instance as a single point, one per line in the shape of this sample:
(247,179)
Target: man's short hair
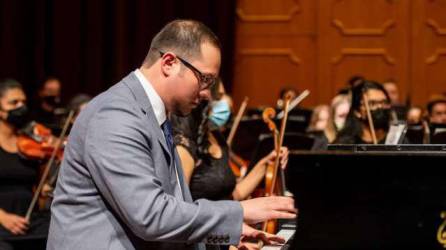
(183,37)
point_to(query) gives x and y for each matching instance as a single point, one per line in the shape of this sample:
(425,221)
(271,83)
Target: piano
(368,197)
(287,232)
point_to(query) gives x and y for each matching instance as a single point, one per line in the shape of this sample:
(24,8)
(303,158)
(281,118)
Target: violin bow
(237,120)
(48,167)
(369,117)
(280,143)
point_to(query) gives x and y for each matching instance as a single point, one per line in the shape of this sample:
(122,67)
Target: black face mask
(18,117)
(381,118)
(51,100)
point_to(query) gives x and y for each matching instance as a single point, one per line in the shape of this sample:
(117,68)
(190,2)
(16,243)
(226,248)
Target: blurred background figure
(398,108)
(48,109)
(319,118)
(336,117)
(414,116)
(436,109)
(392,89)
(340,106)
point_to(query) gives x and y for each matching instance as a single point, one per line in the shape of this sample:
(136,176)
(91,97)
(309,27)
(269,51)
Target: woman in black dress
(205,155)
(356,129)
(17,176)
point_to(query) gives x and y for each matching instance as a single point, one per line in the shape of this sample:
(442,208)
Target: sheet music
(395,133)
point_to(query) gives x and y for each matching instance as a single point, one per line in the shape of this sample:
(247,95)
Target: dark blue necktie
(167,130)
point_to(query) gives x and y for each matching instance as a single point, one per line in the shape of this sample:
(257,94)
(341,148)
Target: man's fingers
(272,238)
(283,215)
(266,238)
(283,203)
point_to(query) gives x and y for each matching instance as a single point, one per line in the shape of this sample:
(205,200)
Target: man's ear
(169,64)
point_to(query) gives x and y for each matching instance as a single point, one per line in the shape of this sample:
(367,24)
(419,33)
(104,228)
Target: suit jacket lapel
(141,98)
(138,91)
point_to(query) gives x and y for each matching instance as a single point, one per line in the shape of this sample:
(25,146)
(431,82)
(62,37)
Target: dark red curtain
(92,44)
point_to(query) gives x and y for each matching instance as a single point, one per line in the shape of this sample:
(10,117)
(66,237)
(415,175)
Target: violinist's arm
(247,185)
(187,162)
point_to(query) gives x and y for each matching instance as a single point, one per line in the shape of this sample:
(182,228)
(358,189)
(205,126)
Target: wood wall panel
(361,37)
(319,44)
(429,49)
(275,48)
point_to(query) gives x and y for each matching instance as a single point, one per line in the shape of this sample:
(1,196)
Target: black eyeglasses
(205,80)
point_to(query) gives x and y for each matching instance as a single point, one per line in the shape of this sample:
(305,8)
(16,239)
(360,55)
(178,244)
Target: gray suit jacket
(117,187)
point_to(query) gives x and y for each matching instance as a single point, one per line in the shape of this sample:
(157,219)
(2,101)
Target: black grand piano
(369,197)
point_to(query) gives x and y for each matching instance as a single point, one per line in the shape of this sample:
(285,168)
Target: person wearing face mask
(356,129)
(17,176)
(48,111)
(205,155)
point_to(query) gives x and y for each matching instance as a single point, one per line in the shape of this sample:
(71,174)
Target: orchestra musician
(205,154)
(358,129)
(18,175)
(47,110)
(436,108)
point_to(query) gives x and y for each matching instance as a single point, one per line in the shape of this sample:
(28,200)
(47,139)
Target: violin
(271,180)
(36,142)
(275,180)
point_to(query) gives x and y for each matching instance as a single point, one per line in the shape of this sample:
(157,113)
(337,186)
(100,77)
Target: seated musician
(337,114)
(205,154)
(436,109)
(414,116)
(398,108)
(47,110)
(17,176)
(357,128)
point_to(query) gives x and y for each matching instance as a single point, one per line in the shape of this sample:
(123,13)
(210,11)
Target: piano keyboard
(287,232)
